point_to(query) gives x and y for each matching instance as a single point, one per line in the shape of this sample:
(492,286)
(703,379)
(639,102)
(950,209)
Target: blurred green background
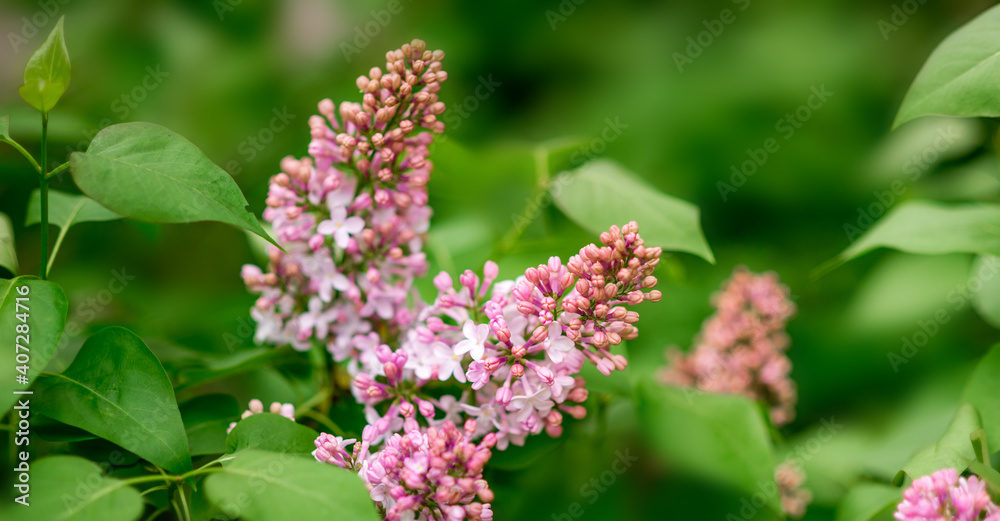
(218,73)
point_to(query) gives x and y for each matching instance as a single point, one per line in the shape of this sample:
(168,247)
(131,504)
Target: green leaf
(206,419)
(520,458)
(720,437)
(47,75)
(953,450)
(263,486)
(602,192)
(988,474)
(271,432)
(868,501)
(987,300)
(960,76)
(930,228)
(115,388)
(46,318)
(982,391)
(4,128)
(70,488)
(8,253)
(67,209)
(147,172)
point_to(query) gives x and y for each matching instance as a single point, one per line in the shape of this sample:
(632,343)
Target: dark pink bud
(516,370)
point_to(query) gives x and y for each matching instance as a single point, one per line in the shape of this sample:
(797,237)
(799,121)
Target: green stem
(57,169)
(156,513)
(23,152)
(55,248)
(43,183)
(184,504)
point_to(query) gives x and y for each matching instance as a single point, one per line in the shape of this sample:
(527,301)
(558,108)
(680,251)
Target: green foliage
(262,486)
(666,221)
(117,389)
(720,437)
(43,308)
(147,172)
(930,228)
(982,391)
(987,300)
(272,433)
(868,501)
(46,76)
(960,77)
(953,450)
(206,419)
(8,252)
(66,210)
(4,128)
(70,488)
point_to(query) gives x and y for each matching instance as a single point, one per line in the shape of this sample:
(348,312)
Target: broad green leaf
(930,228)
(67,209)
(602,193)
(206,419)
(987,300)
(271,432)
(869,501)
(51,430)
(46,318)
(4,128)
(115,388)
(8,253)
(70,488)
(46,76)
(954,449)
(147,172)
(720,437)
(960,76)
(982,391)
(264,486)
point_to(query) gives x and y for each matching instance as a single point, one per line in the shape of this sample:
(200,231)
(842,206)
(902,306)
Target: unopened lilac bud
(517,370)
(503,396)
(406,409)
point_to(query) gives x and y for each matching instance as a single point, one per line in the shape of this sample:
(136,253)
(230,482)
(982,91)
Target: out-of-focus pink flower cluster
(943,496)
(741,348)
(351,217)
(256,407)
(794,498)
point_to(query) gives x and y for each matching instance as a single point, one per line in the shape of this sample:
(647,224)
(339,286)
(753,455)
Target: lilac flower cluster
(794,498)
(435,473)
(741,348)
(944,496)
(351,217)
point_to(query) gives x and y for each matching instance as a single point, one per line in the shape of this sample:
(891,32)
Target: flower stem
(19,148)
(43,183)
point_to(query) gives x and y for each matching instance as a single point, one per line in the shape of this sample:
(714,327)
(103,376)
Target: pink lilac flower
(741,348)
(351,218)
(256,407)
(794,498)
(944,496)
